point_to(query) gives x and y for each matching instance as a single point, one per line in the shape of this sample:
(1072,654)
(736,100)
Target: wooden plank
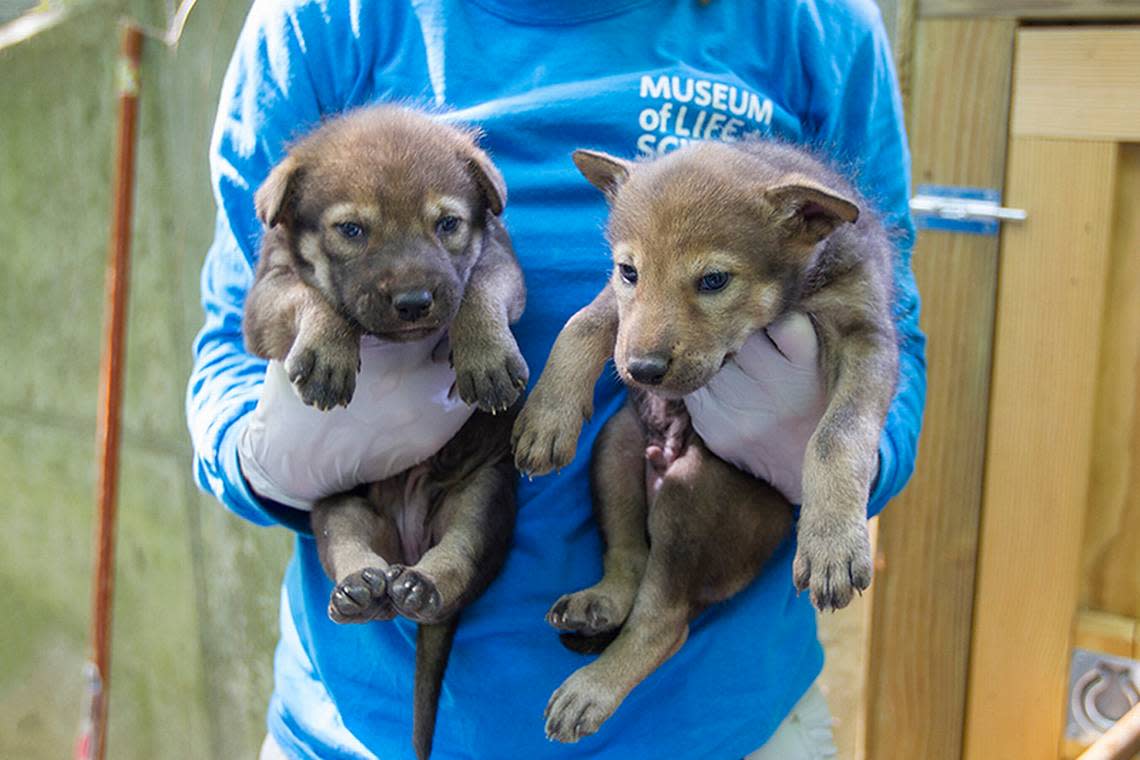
(1081,83)
(1030,9)
(1072,749)
(924,582)
(1105,632)
(1053,276)
(902,41)
(1111,557)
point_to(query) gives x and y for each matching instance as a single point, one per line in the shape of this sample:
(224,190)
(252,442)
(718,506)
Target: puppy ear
(605,172)
(489,180)
(808,210)
(274,198)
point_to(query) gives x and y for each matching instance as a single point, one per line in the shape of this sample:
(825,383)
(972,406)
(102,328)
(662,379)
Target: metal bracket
(974,210)
(1102,688)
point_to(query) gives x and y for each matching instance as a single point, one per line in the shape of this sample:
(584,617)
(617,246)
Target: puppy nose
(649,369)
(412,304)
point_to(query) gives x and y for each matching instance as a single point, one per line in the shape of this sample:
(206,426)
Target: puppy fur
(376,223)
(711,243)
(387,223)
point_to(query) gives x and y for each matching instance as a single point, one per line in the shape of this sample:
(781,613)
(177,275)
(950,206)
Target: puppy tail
(433,646)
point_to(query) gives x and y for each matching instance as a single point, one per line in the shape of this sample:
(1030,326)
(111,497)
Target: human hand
(403,411)
(759,411)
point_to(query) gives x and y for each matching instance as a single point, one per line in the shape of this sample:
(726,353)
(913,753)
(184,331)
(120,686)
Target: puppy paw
(490,375)
(579,707)
(833,560)
(414,595)
(324,377)
(587,613)
(545,435)
(361,597)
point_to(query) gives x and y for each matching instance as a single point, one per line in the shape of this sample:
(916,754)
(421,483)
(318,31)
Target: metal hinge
(975,210)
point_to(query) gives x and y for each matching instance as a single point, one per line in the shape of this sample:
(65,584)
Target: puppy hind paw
(587,613)
(414,595)
(577,709)
(361,597)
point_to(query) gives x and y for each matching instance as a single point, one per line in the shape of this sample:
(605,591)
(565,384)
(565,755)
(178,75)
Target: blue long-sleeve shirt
(543,77)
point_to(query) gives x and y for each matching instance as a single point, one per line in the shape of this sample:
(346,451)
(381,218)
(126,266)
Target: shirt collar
(557,12)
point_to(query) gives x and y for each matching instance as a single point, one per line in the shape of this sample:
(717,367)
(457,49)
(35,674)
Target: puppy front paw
(324,377)
(361,597)
(545,435)
(833,559)
(490,375)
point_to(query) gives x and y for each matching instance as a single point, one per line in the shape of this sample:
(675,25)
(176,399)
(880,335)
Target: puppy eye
(628,273)
(350,230)
(447,225)
(713,281)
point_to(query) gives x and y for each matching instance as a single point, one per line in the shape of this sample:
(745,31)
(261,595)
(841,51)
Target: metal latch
(1102,688)
(975,210)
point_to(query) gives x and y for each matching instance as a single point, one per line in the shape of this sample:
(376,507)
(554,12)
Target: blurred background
(1015,549)
(192,647)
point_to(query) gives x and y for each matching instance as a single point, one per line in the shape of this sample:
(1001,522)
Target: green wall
(196,589)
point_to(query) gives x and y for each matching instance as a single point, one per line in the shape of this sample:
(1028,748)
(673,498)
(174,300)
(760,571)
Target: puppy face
(709,245)
(385,212)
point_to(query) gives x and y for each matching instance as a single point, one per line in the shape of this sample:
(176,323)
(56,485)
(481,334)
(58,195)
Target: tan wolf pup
(711,243)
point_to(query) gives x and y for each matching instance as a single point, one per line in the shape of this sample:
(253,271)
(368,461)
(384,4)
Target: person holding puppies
(542,78)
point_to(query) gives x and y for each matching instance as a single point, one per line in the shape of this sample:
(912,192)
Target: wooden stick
(1121,742)
(93,737)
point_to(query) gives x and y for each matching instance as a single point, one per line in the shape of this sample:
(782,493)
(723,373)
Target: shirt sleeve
(293,62)
(856,116)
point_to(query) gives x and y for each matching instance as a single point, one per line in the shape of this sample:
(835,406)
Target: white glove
(401,413)
(759,411)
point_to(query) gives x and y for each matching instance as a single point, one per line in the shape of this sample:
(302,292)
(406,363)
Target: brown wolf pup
(711,243)
(387,223)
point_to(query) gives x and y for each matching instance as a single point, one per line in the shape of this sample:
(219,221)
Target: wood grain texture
(1105,632)
(1110,576)
(1030,9)
(1053,276)
(1080,83)
(924,582)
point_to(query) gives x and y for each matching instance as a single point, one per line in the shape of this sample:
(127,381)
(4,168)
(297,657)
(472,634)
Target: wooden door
(1060,520)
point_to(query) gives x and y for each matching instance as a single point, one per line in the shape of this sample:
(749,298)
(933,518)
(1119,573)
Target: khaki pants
(804,735)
